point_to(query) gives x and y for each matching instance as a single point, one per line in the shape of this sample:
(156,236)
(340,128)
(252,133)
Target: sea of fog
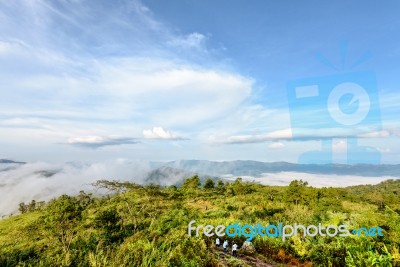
(43,181)
(315,180)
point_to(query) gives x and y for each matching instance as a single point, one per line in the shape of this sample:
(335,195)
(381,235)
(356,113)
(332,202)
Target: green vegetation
(147,225)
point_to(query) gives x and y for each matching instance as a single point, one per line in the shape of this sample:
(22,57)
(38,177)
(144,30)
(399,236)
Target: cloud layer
(43,181)
(315,180)
(100,141)
(160,133)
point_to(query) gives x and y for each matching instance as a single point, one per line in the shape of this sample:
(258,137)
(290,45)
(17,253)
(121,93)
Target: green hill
(148,226)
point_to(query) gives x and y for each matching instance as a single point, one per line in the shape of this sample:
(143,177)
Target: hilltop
(134,225)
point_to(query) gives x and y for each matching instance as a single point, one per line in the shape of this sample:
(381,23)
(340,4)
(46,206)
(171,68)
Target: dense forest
(134,225)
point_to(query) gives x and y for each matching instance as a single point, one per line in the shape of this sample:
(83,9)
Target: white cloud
(339,146)
(99,84)
(276,145)
(100,141)
(297,134)
(194,40)
(4,48)
(238,139)
(376,134)
(68,94)
(160,133)
(160,91)
(384,150)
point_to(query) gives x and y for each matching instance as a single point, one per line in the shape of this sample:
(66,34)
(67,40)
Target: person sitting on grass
(225,245)
(234,249)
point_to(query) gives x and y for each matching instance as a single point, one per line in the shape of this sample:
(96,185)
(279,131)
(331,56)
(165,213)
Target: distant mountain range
(7,161)
(256,168)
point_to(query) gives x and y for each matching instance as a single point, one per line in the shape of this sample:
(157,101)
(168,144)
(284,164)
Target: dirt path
(256,261)
(248,261)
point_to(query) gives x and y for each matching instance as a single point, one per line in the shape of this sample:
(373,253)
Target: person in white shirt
(234,250)
(217,243)
(225,245)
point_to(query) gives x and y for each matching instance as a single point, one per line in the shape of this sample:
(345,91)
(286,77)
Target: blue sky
(167,80)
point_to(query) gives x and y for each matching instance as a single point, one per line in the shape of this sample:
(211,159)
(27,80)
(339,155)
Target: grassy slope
(151,228)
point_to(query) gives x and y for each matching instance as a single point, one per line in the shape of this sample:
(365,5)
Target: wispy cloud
(301,135)
(376,134)
(193,40)
(384,150)
(276,145)
(161,134)
(102,78)
(258,138)
(100,141)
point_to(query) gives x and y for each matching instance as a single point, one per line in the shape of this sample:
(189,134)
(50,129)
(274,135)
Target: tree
(84,199)
(61,219)
(220,185)
(32,205)
(153,189)
(377,198)
(110,222)
(23,208)
(272,194)
(115,186)
(192,182)
(209,184)
(318,195)
(241,188)
(296,190)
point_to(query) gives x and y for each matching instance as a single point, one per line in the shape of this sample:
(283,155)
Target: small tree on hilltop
(61,220)
(295,191)
(192,182)
(23,208)
(209,184)
(220,186)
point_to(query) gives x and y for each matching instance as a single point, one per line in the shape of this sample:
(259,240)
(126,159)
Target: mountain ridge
(255,168)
